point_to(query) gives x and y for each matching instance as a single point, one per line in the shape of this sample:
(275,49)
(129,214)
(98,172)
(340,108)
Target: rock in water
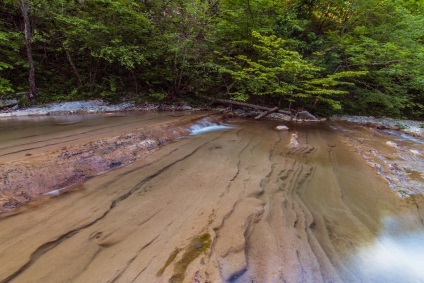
(281,128)
(293,141)
(392,144)
(148,144)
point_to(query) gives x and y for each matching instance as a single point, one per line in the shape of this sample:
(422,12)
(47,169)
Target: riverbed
(242,203)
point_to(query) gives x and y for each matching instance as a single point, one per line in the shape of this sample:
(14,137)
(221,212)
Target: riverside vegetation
(361,57)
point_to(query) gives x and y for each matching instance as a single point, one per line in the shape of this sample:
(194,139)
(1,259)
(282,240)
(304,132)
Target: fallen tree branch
(248,105)
(266,113)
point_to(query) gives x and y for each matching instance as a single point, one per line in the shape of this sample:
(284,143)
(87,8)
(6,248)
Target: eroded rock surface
(39,164)
(236,205)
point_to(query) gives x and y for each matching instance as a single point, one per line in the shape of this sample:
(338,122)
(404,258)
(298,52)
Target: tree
(283,74)
(25,6)
(6,42)
(385,39)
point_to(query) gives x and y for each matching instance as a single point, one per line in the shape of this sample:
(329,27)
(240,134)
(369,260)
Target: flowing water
(243,203)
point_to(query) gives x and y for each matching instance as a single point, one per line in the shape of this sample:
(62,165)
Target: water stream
(241,203)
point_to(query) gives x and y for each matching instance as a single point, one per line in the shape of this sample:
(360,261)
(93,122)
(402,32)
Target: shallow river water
(244,203)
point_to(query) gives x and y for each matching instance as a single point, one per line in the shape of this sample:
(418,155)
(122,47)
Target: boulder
(392,144)
(281,128)
(239,112)
(186,107)
(294,143)
(8,103)
(148,144)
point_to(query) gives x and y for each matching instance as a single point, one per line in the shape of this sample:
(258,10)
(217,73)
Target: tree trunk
(24,5)
(266,113)
(74,68)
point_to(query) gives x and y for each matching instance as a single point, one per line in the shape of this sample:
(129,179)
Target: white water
(205,126)
(397,255)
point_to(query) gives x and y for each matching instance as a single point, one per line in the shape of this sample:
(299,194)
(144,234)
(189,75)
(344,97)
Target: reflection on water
(397,255)
(205,125)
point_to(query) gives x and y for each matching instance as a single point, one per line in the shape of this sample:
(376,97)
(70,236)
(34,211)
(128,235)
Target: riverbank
(49,163)
(415,128)
(62,152)
(87,107)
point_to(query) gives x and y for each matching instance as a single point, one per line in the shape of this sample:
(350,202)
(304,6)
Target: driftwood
(301,114)
(248,105)
(266,113)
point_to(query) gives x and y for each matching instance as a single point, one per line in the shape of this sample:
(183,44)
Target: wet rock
(392,144)
(305,115)
(231,246)
(415,152)
(239,112)
(186,107)
(148,144)
(280,116)
(293,141)
(253,113)
(407,126)
(8,102)
(281,128)
(115,164)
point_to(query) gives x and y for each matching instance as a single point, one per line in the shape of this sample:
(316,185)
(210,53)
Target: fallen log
(248,105)
(266,113)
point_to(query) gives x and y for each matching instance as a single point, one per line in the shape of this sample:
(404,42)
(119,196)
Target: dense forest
(327,56)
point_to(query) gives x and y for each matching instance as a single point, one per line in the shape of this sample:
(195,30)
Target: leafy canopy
(275,70)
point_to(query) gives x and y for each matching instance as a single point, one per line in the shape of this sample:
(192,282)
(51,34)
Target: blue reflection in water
(205,126)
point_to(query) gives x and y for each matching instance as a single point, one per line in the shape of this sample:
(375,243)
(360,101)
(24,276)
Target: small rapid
(205,126)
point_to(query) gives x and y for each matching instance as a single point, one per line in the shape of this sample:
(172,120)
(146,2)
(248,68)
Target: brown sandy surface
(240,205)
(41,154)
(396,156)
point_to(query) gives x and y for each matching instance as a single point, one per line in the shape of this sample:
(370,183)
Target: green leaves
(273,69)
(387,41)
(128,56)
(277,71)
(364,56)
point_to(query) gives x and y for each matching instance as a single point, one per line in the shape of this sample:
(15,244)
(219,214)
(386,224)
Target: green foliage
(9,45)
(5,86)
(158,97)
(358,57)
(276,71)
(387,41)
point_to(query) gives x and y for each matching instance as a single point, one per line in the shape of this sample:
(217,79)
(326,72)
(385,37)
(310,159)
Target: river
(243,203)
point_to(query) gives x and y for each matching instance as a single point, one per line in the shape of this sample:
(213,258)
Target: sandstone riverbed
(243,204)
